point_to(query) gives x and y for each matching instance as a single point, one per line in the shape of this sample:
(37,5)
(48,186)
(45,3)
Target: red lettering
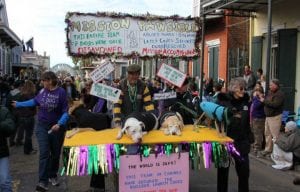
(98,50)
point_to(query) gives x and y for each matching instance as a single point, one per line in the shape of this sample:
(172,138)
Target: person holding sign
(183,103)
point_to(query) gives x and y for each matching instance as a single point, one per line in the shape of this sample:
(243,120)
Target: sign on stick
(171,74)
(101,72)
(105,92)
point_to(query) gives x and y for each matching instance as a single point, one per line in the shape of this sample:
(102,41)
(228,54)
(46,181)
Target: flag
(29,44)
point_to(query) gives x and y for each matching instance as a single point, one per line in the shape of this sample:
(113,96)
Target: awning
(239,5)
(25,65)
(8,37)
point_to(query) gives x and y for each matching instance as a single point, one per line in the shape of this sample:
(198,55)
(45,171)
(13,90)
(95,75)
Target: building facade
(8,41)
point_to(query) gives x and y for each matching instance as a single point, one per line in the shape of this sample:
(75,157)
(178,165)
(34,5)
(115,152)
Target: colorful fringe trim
(104,159)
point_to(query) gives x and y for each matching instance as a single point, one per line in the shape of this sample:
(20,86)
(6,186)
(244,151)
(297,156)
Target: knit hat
(291,125)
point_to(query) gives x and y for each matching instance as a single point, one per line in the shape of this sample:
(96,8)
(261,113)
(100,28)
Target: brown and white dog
(86,120)
(171,123)
(136,125)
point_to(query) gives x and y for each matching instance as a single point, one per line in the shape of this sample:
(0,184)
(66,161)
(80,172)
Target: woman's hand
(54,128)
(14,104)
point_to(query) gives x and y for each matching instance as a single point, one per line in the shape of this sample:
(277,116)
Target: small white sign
(105,92)
(163,96)
(171,74)
(101,72)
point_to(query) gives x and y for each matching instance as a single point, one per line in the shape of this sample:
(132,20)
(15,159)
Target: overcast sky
(44,19)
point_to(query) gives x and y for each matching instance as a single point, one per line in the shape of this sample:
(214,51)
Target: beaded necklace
(132,95)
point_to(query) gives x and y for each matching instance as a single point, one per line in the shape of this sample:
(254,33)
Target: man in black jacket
(7,127)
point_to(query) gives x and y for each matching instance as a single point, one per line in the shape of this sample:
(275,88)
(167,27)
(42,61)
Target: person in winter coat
(7,127)
(238,128)
(257,118)
(273,107)
(289,147)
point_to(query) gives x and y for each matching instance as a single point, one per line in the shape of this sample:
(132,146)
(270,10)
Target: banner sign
(101,72)
(154,174)
(163,96)
(105,92)
(107,34)
(171,74)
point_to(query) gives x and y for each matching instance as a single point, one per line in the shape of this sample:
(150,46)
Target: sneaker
(54,181)
(41,187)
(296,181)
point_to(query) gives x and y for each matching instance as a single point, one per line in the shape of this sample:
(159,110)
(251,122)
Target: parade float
(162,161)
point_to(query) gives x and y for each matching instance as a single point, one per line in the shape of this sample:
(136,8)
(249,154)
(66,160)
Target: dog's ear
(181,125)
(179,116)
(121,132)
(142,125)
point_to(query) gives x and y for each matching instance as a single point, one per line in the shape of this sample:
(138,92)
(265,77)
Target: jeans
(5,179)
(50,148)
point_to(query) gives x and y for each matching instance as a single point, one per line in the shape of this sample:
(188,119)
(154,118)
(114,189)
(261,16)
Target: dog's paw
(144,133)
(166,132)
(178,133)
(119,136)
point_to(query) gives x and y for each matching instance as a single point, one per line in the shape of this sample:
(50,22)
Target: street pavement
(263,177)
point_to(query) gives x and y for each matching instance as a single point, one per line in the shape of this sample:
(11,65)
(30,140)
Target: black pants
(97,181)
(242,170)
(27,124)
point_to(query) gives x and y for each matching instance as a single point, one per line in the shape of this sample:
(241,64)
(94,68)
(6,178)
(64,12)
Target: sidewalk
(24,171)
(268,162)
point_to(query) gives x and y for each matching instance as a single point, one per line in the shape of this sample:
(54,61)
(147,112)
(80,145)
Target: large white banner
(91,34)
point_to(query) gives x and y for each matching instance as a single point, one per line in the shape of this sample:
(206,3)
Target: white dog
(137,125)
(171,123)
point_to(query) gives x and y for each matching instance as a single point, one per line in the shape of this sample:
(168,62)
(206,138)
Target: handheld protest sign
(101,72)
(105,92)
(171,75)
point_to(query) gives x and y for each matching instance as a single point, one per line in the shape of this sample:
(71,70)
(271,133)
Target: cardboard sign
(163,96)
(105,92)
(171,74)
(101,72)
(154,174)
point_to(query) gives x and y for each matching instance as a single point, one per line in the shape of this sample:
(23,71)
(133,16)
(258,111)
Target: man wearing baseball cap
(135,96)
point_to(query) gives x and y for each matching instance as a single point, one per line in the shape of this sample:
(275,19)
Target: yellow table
(108,136)
(90,150)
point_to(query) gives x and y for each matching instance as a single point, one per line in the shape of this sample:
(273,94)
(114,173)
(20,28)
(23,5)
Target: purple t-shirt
(52,104)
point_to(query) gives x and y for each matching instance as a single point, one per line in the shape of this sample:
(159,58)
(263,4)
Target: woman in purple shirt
(52,117)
